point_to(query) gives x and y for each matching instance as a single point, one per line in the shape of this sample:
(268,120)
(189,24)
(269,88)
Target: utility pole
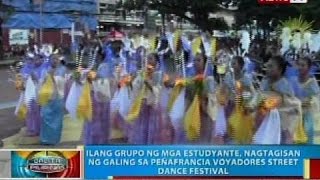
(145,12)
(1,40)
(2,16)
(41,22)
(163,22)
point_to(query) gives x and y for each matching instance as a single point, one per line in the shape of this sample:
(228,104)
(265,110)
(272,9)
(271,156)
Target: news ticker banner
(41,164)
(116,162)
(190,161)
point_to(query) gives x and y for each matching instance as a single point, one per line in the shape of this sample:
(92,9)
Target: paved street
(11,129)
(8,92)
(71,137)
(9,125)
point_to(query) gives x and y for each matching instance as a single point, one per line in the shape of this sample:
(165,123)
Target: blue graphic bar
(222,161)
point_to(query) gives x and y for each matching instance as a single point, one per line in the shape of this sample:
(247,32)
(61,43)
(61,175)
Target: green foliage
(297,24)
(310,12)
(5,11)
(76,75)
(199,9)
(250,10)
(134,4)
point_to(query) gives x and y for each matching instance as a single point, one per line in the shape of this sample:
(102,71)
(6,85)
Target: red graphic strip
(273,2)
(314,168)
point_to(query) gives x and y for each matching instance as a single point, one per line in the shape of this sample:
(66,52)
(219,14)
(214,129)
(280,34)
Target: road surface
(12,130)
(9,125)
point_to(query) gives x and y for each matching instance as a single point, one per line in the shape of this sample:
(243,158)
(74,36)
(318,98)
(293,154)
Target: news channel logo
(45,164)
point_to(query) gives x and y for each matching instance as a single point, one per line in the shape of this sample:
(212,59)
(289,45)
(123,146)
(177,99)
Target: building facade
(110,14)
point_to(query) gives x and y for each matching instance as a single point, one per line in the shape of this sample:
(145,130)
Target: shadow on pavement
(9,125)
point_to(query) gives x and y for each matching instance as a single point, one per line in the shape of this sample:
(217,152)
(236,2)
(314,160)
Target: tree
(133,4)
(199,11)
(310,11)
(249,11)
(5,11)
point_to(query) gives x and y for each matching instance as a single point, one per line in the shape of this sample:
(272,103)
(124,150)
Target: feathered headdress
(297,25)
(315,42)
(30,55)
(36,49)
(297,40)
(307,38)
(245,41)
(296,31)
(46,50)
(285,39)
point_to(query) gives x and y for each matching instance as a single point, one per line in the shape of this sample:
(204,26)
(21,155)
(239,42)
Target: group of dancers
(167,90)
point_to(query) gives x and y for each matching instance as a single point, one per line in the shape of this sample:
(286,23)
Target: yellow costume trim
(179,84)
(213,48)
(153,44)
(300,135)
(22,112)
(192,120)
(177,38)
(241,125)
(116,134)
(46,91)
(196,45)
(136,106)
(84,110)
